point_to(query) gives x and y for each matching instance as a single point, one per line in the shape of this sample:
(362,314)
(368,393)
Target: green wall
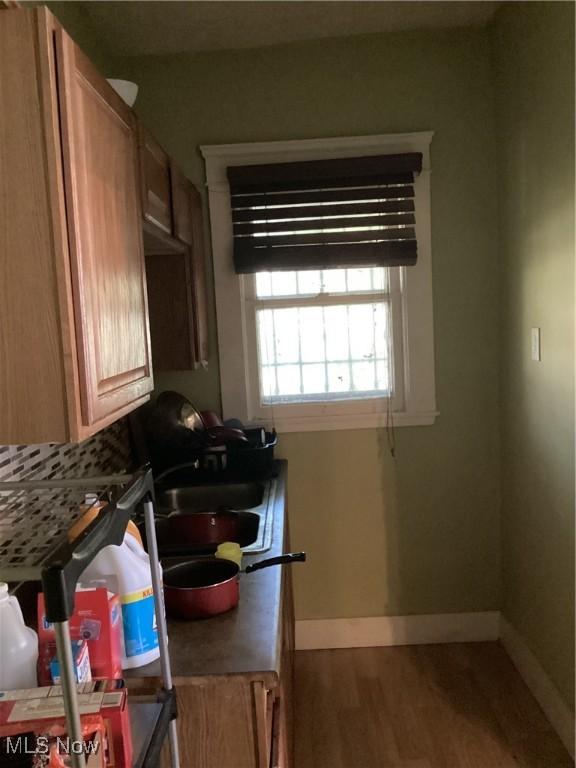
(421,534)
(534,58)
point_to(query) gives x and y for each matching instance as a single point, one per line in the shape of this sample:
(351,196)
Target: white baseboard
(314,634)
(542,688)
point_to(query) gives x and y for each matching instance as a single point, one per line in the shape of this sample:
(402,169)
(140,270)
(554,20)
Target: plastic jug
(126,570)
(18,645)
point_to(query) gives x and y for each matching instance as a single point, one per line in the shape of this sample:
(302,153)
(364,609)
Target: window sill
(348,421)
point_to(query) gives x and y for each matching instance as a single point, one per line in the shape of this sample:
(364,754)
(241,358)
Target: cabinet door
(101,172)
(156,189)
(189,227)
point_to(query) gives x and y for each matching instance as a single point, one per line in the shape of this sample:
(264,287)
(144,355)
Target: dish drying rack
(35,519)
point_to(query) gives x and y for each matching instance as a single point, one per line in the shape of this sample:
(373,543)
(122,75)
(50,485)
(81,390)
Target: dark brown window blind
(326,213)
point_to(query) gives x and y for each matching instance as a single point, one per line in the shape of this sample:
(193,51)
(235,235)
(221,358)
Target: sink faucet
(187,465)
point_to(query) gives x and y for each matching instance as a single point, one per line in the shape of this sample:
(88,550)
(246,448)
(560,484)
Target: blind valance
(325,213)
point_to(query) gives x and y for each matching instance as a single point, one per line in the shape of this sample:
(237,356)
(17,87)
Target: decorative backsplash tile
(108,452)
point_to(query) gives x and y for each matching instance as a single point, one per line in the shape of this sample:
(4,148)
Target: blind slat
(323,196)
(317,211)
(297,239)
(248,228)
(389,254)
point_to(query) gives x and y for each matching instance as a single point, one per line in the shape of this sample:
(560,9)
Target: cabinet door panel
(156,192)
(182,213)
(188,228)
(100,151)
(171,311)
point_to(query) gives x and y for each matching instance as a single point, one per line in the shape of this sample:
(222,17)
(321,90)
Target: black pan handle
(291,557)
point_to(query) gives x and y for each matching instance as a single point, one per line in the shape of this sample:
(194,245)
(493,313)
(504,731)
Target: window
(324,348)
(324,342)
(323,335)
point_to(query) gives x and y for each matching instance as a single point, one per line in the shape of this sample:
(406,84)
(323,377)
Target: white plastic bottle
(126,569)
(18,646)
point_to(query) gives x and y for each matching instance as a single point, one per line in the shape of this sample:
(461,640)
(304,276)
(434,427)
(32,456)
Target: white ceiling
(162,26)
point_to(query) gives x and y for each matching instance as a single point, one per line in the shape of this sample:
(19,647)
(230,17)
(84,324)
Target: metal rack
(35,518)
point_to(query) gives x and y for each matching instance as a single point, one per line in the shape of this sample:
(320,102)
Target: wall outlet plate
(535,344)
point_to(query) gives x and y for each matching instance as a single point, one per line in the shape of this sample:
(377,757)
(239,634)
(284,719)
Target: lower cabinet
(240,721)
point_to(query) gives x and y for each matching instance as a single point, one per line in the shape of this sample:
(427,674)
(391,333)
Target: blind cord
(390,431)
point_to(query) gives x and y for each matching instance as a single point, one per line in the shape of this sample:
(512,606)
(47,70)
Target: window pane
(312,282)
(336,332)
(380,279)
(339,377)
(268,381)
(263,284)
(334,280)
(312,323)
(286,336)
(382,331)
(382,375)
(364,376)
(359,279)
(323,353)
(288,379)
(313,379)
(366,329)
(309,283)
(266,337)
(283,283)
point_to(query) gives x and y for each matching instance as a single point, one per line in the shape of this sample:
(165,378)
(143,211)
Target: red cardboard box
(45,739)
(117,721)
(97,619)
(21,710)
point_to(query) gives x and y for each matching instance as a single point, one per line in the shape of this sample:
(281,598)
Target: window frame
(239,368)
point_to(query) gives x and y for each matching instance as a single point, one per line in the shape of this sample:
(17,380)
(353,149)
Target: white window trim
(238,376)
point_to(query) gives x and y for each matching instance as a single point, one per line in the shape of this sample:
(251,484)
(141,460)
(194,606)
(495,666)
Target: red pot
(207,586)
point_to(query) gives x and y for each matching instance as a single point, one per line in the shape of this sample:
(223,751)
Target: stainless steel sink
(252,502)
(202,498)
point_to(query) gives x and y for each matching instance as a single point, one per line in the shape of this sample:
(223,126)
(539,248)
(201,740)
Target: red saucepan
(205,587)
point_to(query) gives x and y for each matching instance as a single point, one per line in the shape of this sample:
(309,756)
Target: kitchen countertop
(243,641)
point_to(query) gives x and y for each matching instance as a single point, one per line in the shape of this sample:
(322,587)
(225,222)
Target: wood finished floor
(435,706)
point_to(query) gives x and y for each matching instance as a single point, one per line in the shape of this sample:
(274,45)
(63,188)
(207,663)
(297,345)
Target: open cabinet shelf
(150,718)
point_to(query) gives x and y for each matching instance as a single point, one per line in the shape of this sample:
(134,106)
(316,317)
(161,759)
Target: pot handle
(291,557)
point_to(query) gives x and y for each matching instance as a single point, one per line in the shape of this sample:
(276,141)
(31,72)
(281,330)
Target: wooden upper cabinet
(155,179)
(100,147)
(74,348)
